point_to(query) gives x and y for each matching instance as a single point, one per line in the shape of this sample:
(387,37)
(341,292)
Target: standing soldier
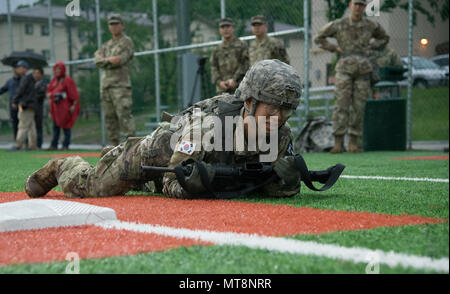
(265,47)
(229,62)
(353,71)
(114,57)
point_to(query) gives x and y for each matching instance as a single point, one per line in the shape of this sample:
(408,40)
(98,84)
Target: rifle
(251,171)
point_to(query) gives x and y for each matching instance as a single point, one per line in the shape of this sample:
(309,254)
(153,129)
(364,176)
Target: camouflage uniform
(268,47)
(229,61)
(116,97)
(120,168)
(353,69)
(386,57)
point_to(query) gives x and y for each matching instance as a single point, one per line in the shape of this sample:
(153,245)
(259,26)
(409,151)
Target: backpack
(316,136)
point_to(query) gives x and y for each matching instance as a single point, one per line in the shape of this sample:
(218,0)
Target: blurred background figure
(115,57)
(265,47)
(64,105)
(40,88)
(25,102)
(11,86)
(229,61)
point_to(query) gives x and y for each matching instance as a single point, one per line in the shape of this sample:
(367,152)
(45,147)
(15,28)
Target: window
(44,30)
(46,54)
(28,28)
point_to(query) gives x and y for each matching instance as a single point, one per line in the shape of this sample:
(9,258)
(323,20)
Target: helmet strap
(252,111)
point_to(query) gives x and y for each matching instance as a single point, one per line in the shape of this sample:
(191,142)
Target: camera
(59,97)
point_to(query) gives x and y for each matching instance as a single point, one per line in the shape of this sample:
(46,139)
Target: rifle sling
(306,178)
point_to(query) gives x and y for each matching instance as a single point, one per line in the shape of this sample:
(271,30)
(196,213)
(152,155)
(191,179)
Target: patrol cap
(360,1)
(226,22)
(114,18)
(258,19)
(22,63)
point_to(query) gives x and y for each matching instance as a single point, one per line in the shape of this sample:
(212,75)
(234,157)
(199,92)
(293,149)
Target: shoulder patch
(186,147)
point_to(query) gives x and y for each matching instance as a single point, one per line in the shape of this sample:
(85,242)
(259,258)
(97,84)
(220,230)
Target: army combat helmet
(272,82)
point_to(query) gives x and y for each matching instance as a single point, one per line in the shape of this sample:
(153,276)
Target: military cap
(114,18)
(261,19)
(360,1)
(225,22)
(22,63)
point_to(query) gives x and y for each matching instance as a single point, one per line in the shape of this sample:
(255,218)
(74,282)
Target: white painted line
(354,254)
(396,179)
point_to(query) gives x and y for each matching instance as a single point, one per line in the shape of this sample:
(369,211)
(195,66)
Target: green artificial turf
(389,197)
(211,260)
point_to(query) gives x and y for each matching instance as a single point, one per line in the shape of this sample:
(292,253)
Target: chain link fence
(174,40)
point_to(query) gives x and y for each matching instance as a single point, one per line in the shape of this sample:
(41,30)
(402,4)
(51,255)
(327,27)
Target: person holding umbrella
(17,59)
(64,105)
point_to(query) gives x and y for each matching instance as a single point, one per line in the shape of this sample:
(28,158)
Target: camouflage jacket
(386,57)
(229,61)
(115,75)
(219,107)
(355,39)
(267,48)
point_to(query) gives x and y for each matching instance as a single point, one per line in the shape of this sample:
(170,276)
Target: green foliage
(430,8)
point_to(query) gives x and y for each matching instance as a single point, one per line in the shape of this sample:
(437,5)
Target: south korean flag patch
(186,147)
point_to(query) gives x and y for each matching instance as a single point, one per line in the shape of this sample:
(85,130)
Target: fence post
(305,62)
(410,80)
(10,32)
(99,44)
(156,47)
(222,9)
(52,36)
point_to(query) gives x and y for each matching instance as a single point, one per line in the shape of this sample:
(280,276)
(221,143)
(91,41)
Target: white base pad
(45,213)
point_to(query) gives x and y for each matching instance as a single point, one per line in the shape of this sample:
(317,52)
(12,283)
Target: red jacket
(60,111)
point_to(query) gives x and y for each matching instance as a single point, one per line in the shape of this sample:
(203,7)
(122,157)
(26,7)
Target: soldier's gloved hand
(286,169)
(194,182)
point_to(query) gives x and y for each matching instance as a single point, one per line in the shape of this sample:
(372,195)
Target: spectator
(11,86)
(265,47)
(115,57)
(229,61)
(25,102)
(64,105)
(40,89)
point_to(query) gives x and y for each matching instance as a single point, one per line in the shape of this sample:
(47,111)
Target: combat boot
(353,146)
(338,142)
(106,149)
(42,181)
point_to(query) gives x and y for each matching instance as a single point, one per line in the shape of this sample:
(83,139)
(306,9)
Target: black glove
(286,169)
(194,182)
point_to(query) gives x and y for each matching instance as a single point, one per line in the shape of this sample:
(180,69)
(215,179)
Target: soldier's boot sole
(338,142)
(43,180)
(353,146)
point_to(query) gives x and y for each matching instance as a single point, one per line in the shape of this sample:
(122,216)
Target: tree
(430,9)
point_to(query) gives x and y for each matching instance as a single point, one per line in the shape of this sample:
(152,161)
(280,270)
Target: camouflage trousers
(119,169)
(116,103)
(351,94)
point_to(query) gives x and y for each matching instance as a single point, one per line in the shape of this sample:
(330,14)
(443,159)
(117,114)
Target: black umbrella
(33,59)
